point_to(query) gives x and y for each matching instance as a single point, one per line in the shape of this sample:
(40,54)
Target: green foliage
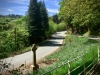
(37,21)
(33,22)
(4,24)
(53,27)
(56,19)
(43,20)
(7,43)
(44,15)
(15,30)
(82,16)
(7,20)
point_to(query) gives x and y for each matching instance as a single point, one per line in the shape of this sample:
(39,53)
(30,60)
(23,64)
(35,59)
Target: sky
(20,7)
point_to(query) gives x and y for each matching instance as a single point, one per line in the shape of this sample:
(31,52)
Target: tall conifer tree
(37,20)
(44,16)
(33,21)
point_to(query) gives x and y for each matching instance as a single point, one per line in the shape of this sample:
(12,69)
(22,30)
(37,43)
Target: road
(49,47)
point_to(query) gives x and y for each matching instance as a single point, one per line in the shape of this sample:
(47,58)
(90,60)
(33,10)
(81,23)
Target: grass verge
(74,46)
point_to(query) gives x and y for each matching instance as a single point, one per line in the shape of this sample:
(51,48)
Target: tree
(56,19)
(81,15)
(33,21)
(44,17)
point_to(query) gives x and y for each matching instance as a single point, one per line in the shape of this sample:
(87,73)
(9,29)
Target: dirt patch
(49,61)
(43,63)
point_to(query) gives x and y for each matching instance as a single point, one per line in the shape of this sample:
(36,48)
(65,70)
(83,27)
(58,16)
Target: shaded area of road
(49,47)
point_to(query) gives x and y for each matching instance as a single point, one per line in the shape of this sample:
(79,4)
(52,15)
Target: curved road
(49,47)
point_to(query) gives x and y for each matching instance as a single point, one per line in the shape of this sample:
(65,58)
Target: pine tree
(46,27)
(33,21)
(37,20)
(44,16)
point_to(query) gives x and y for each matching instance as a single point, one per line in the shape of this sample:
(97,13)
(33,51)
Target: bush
(8,42)
(53,27)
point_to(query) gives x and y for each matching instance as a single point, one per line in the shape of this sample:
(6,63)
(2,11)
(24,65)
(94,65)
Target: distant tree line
(6,19)
(10,16)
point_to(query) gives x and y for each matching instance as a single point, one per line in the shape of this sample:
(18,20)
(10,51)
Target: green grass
(77,47)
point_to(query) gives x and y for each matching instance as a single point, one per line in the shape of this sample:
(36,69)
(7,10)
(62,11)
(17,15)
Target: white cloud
(23,10)
(25,2)
(20,8)
(54,2)
(10,10)
(53,10)
(51,5)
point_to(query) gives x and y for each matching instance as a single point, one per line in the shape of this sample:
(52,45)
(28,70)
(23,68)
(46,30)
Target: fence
(98,53)
(81,69)
(69,71)
(67,65)
(87,69)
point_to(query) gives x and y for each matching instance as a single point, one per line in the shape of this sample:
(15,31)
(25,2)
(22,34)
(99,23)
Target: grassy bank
(74,46)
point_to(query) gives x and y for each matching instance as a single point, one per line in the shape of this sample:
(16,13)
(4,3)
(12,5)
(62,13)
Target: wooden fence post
(25,64)
(13,67)
(69,67)
(15,40)
(98,54)
(84,64)
(93,57)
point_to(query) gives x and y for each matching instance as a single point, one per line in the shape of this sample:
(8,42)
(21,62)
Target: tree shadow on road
(52,41)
